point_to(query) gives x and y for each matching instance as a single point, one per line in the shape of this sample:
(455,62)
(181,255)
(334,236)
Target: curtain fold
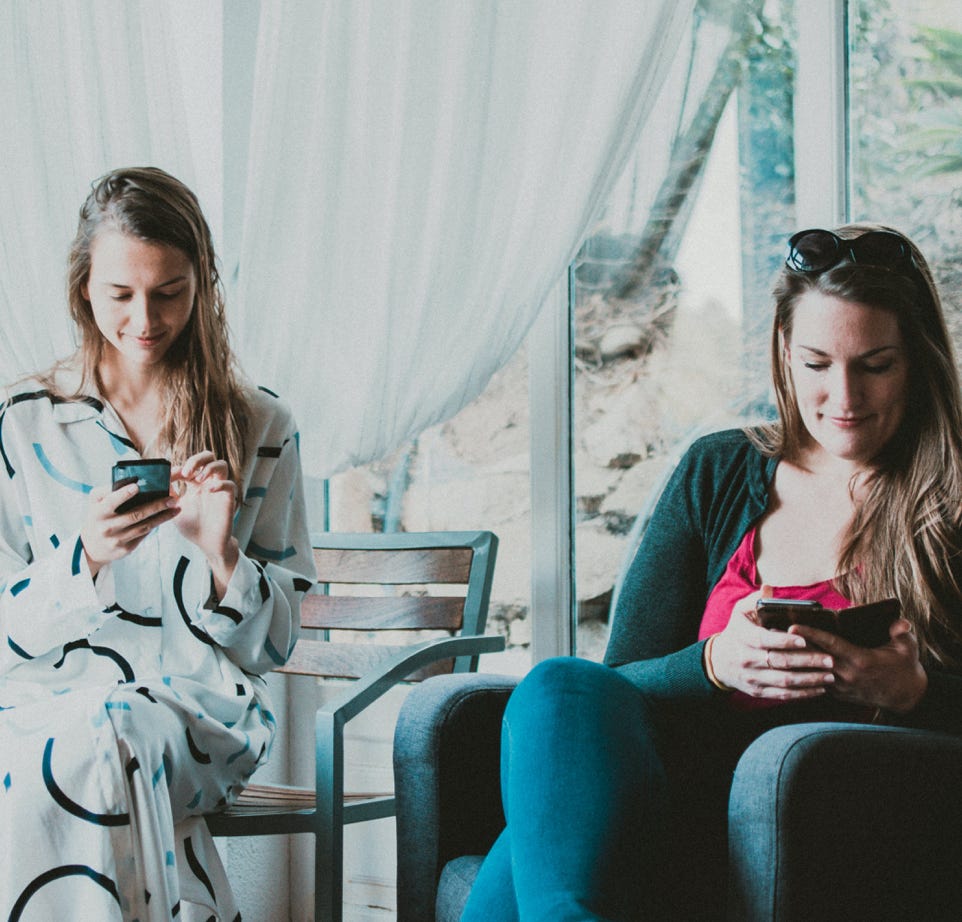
(86,86)
(420,175)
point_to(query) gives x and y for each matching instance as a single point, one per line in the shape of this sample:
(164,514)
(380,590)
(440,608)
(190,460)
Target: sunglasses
(818,250)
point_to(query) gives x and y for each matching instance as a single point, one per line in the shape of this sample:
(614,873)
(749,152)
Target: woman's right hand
(107,535)
(768,664)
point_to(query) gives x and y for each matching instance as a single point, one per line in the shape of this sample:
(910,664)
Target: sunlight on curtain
(420,175)
(85,87)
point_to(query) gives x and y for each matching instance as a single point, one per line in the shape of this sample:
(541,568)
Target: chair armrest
(447,747)
(846,821)
(373,685)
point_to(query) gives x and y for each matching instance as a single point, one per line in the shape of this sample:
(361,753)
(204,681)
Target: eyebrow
(179,278)
(864,355)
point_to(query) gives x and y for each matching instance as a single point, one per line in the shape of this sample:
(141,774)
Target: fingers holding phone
(767,664)
(889,675)
(120,517)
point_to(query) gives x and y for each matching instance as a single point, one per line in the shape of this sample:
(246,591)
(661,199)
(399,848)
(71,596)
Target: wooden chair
(394,561)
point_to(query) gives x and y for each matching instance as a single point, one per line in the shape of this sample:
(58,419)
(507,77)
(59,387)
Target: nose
(847,390)
(141,312)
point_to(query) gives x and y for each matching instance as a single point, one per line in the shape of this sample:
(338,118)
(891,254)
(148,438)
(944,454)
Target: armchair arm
(846,821)
(447,747)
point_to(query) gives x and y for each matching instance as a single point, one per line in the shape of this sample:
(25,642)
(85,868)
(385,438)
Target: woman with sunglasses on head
(616,777)
(135,629)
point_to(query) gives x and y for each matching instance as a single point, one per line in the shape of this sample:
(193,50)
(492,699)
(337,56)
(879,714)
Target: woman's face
(851,375)
(142,294)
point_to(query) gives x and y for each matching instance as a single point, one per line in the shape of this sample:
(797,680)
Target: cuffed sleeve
(258,619)
(46,603)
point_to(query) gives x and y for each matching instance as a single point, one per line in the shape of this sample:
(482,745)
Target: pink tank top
(741,578)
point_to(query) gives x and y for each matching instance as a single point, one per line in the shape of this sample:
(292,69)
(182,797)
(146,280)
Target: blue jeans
(610,802)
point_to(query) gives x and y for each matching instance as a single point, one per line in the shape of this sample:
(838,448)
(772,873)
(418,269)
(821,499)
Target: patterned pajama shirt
(132,704)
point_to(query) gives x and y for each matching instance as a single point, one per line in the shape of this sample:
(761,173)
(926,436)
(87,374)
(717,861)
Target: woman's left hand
(888,677)
(207,501)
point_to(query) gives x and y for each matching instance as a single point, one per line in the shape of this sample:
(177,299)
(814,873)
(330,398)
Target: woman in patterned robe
(133,643)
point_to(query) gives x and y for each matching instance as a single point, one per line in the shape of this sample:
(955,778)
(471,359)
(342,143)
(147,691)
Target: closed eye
(879,369)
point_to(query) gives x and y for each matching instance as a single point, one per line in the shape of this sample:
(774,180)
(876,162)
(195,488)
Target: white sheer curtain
(420,175)
(85,86)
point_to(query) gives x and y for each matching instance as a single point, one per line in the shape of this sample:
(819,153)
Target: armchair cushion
(457,878)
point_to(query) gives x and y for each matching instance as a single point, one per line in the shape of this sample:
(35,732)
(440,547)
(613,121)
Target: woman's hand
(776,665)
(107,535)
(207,500)
(889,677)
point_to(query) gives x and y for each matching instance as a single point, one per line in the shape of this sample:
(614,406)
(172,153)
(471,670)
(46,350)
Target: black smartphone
(865,625)
(152,476)
(781,614)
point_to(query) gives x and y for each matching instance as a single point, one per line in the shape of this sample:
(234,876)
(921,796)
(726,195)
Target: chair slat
(400,565)
(349,660)
(382,612)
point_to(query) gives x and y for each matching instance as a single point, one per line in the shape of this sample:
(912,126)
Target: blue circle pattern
(142,677)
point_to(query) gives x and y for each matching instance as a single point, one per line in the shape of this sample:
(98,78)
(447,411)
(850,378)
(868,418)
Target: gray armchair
(826,821)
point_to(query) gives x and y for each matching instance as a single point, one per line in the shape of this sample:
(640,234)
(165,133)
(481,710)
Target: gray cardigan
(719,489)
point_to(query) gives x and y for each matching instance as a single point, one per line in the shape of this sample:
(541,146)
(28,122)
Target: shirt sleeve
(44,603)
(662,599)
(258,619)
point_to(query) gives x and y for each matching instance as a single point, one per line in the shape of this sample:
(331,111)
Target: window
(671,299)
(905,87)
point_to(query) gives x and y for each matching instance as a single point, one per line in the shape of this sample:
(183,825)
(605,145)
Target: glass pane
(471,472)
(672,304)
(905,91)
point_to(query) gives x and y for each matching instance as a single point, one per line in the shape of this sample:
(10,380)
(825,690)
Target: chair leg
(329,837)
(328,879)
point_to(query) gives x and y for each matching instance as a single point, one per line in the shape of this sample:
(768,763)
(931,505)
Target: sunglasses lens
(812,251)
(879,248)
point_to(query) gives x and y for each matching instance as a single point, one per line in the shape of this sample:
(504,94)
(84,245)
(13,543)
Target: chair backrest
(371,584)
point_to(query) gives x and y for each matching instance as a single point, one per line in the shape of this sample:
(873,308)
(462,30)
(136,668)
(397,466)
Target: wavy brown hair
(206,408)
(905,539)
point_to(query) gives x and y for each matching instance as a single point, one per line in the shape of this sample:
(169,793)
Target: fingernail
(827,662)
(828,677)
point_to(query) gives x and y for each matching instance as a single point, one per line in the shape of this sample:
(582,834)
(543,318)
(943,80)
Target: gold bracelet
(709,670)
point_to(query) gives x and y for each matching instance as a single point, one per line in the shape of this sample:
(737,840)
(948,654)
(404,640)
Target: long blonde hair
(905,539)
(206,407)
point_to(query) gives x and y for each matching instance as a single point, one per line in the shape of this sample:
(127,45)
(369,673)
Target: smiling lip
(848,422)
(148,341)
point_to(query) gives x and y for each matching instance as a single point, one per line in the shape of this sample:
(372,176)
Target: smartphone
(865,625)
(152,476)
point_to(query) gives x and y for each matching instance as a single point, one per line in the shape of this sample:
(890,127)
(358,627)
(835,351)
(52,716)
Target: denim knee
(570,674)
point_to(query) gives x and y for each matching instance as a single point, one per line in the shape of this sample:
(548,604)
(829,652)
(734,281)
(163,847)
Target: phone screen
(152,476)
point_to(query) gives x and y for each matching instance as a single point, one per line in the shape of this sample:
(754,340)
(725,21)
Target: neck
(137,398)
(829,468)
(128,387)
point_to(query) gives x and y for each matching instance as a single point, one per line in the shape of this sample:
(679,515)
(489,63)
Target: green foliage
(937,92)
